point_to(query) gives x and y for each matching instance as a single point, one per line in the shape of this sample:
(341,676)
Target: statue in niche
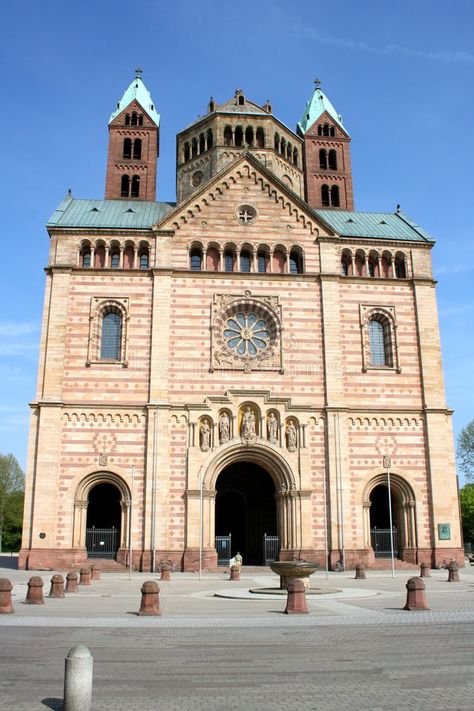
(272,427)
(291,436)
(248,428)
(224,428)
(205,433)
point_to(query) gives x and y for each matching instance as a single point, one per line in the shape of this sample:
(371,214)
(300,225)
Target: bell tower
(134,135)
(327,158)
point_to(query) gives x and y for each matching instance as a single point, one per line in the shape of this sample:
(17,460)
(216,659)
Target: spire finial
(138,73)
(317,83)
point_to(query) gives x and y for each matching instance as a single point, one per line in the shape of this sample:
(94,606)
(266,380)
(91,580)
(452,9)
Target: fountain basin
(291,569)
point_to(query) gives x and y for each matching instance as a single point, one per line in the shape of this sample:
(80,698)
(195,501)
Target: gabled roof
(112,214)
(375,225)
(137,91)
(317,105)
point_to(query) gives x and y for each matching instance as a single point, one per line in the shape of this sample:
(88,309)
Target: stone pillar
(57,586)
(6,605)
(34,596)
(416,599)
(296,600)
(71,582)
(150,603)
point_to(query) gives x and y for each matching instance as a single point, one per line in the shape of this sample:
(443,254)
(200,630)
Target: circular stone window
(246,214)
(246,334)
(196,178)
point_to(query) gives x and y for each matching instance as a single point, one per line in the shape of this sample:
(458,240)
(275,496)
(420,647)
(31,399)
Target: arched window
(135,190)
(241,100)
(187,153)
(296,262)
(332,159)
(115,260)
(360,264)
(249,136)
(277,142)
(137,148)
(111,336)
(325,195)
(99,257)
(227,136)
(228,261)
(144,259)
(260,138)
(262,262)
(320,130)
(400,267)
(373,266)
(134,118)
(202,143)
(283,147)
(323,159)
(345,265)
(279,262)
(295,156)
(140,120)
(194,148)
(128,257)
(239,136)
(335,196)
(210,140)
(127,147)
(245,260)
(125,186)
(127,119)
(326,130)
(289,152)
(212,259)
(196,260)
(86,258)
(379,342)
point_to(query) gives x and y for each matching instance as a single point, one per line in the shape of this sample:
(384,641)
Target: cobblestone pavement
(349,652)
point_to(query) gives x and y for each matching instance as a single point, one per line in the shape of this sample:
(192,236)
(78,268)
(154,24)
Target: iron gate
(102,542)
(223,548)
(380,538)
(271,548)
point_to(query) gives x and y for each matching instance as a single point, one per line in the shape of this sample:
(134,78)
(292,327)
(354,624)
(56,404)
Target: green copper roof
(112,214)
(137,91)
(315,107)
(375,225)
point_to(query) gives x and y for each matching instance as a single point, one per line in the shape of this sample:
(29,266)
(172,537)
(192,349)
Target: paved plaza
(356,649)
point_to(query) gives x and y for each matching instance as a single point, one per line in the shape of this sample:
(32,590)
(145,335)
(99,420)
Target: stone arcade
(245,358)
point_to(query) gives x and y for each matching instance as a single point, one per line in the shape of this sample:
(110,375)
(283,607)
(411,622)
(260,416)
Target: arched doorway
(246,509)
(380,521)
(103,524)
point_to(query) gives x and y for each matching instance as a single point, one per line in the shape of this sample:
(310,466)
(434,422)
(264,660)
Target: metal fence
(381,542)
(223,548)
(102,542)
(271,548)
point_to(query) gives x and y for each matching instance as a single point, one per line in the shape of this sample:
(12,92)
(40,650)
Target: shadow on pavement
(7,561)
(53,703)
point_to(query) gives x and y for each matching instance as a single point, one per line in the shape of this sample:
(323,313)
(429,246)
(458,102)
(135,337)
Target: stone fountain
(291,569)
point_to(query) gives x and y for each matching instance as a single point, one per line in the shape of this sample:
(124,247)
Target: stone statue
(205,436)
(224,428)
(272,427)
(248,423)
(291,436)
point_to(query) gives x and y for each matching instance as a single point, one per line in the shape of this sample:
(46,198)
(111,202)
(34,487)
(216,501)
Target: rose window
(246,334)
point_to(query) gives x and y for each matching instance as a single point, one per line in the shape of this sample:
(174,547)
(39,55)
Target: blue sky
(400,73)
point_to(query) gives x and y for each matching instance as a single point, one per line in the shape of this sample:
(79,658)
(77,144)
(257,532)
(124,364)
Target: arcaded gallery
(247,369)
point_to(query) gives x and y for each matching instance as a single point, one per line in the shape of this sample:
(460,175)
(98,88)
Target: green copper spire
(137,91)
(315,107)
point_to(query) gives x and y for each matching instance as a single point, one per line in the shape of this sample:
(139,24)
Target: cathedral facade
(253,368)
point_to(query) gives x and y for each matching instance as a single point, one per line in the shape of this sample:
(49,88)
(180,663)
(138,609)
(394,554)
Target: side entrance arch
(101,515)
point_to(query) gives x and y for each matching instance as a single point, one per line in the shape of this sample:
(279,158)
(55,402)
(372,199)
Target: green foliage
(12,483)
(467,512)
(465,451)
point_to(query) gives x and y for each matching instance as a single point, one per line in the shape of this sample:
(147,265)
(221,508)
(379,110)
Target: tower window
(332,159)
(196,260)
(228,261)
(325,195)
(125,186)
(209,139)
(127,119)
(194,148)
(295,156)
(326,129)
(260,138)
(400,268)
(137,149)
(140,120)
(323,160)
(277,142)
(86,258)
(111,336)
(241,100)
(133,120)
(115,260)
(335,196)
(244,261)
(227,136)
(332,131)
(296,266)
(144,260)
(379,342)
(128,257)
(262,262)
(135,191)
(202,143)
(320,129)
(249,136)
(239,136)
(127,148)
(186,152)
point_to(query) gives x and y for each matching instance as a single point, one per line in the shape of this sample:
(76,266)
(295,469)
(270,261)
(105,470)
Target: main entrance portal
(246,508)
(103,521)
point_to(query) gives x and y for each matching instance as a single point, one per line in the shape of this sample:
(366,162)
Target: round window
(246,334)
(246,214)
(196,178)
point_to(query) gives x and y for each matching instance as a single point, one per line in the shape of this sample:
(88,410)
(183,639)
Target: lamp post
(387,463)
(201,477)
(130,526)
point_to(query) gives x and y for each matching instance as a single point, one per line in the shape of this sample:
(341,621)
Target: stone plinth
(6,604)
(416,598)
(34,596)
(150,603)
(296,600)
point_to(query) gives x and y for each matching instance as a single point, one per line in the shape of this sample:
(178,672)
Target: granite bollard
(71,582)
(34,596)
(150,603)
(416,598)
(78,679)
(57,586)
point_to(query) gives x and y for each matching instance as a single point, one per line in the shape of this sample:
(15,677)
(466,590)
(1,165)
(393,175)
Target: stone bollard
(425,571)
(453,572)
(57,586)
(150,604)
(6,605)
(165,572)
(235,572)
(360,572)
(85,576)
(34,596)
(78,679)
(71,582)
(416,598)
(95,572)
(296,599)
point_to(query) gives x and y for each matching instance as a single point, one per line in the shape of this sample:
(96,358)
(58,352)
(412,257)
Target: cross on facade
(245,215)
(318,83)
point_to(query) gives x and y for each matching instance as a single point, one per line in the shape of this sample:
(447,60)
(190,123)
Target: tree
(466,496)
(465,451)
(12,483)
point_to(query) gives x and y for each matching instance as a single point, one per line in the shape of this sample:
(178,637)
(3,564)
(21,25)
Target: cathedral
(255,368)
